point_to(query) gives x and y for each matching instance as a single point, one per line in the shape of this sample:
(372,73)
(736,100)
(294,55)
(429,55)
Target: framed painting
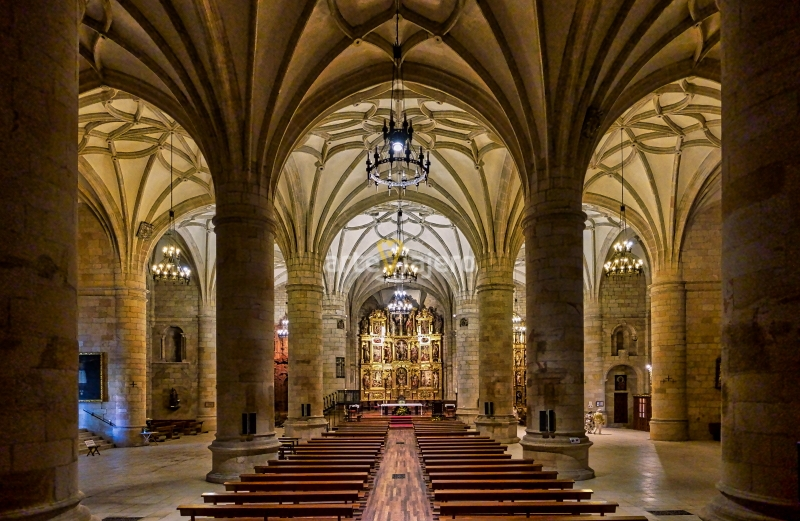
(91,378)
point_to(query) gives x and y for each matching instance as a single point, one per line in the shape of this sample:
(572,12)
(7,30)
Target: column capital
(549,211)
(304,271)
(495,271)
(245,204)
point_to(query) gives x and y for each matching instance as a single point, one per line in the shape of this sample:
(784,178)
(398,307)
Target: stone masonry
(334,340)
(467,328)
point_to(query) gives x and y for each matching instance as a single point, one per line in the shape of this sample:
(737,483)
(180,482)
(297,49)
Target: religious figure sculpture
(425,356)
(365,380)
(364,325)
(414,354)
(402,377)
(365,352)
(376,353)
(414,380)
(426,379)
(435,378)
(377,379)
(387,353)
(402,350)
(435,346)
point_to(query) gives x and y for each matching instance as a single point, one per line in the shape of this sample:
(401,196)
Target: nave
(640,475)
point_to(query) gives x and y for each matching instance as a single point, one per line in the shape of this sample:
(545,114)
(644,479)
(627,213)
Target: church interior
(400,259)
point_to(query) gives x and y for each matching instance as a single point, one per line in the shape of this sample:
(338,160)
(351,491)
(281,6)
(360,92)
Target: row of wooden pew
(472,477)
(325,477)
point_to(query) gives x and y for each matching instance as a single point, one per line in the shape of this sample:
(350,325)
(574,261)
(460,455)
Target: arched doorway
(622,383)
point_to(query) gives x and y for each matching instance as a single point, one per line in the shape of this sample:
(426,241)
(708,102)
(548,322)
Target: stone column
(760,252)
(245,330)
(38,272)
(207,366)
(467,357)
(448,351)
(127,364)
(304,290)
(668,330)
(594,372)
(554,306)
(334,340)
(495,288)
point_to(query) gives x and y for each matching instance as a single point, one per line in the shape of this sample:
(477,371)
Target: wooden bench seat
(455,508)
(476,450)
(431,459)
(515,494)
(493,476)
(323,456)
(283,496)
(319,462)
(299,469)
(261,486)
(306,476)
(433,437)
(333,434)
(338,510)
(478,462)
(497,467)
(550,518)
(500,484)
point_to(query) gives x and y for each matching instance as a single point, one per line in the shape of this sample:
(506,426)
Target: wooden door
(642,413)
(620,407)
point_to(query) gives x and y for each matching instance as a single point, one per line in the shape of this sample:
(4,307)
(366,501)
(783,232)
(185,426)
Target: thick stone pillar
(304,290)
(760,252)
(594,376)
(466,348)
(38,271)
(554,305)
(334,340)
(127,363)
(495,288)
(245,330)
(668,329)
(207,367)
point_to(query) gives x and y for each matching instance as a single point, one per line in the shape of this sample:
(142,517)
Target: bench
(299,469)
(283,496)
(306,476)
(432,459)
(479,462)
(93,448)
(339,510)
(260,486)
(320,463)
(454,509)
(500,484)
(324,456)
(553,518)
(493,476)
(512,495)
(498,467)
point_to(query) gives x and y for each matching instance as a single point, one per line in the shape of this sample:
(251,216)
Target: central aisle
(396,499)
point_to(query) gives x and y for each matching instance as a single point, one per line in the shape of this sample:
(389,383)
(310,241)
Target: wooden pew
(500,484)
(306,476)
(283,496)
(496,467)
(300,469)
(553,518)
(494,476)
(456,508)
(478,462)
(515,494)
(320,463)
(324,456)
(462,452)
(277,486)
(339,510)
(449,458)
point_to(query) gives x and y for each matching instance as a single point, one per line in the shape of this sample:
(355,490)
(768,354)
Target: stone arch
(173,344)
(622,382)
(624,337)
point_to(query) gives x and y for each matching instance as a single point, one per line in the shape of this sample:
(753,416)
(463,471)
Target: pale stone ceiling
(516,88)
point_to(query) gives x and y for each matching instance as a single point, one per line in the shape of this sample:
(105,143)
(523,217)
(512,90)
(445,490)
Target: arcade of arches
(539,118)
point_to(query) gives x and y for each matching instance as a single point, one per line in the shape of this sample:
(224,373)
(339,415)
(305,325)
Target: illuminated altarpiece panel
(520,369)
(401,355)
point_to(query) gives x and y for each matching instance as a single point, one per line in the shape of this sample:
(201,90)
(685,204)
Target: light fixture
(623,261)
(518,326)
(394,163)
(283,330)
(401,303)
(401,269)
(170,268)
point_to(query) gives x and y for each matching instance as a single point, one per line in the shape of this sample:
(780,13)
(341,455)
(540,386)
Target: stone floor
(149,482)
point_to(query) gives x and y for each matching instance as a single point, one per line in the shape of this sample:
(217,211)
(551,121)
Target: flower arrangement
(402,411)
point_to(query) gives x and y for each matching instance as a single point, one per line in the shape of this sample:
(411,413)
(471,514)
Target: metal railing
(99,417)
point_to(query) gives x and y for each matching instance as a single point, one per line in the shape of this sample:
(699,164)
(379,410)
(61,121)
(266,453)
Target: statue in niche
(435,345)
(377,353)
(435,378)
(402,351)
(387,378)
(518,378)
(439,320)
(402,377)
(396,323)
(377,379)
(410,323)
(517,358)
(364,325)
(424,328)
(414,380)
(365,352)
(414,354)
(426,379)
(365,380)
(425,355)
(376,328)
(387,353)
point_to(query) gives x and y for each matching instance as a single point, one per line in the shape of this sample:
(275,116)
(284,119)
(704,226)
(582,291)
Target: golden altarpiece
(401,355)
(520,363)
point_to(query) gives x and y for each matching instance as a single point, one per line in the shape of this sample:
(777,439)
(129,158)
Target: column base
(127,436)
(306,429)
(69,509)
(232,458)
(669,430)
(724,508)
(501,428)
(570,460)
(467,416)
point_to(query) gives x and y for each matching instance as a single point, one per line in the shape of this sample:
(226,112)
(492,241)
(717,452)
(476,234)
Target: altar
(417,407)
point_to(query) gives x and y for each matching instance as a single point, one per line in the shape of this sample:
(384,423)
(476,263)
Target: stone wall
(97,320)
(174,305)
(701,255)
(334,340)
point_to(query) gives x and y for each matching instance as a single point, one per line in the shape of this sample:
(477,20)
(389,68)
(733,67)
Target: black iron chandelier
(623,261)
(394,163)
(401,303)
(401,268)
(170,268)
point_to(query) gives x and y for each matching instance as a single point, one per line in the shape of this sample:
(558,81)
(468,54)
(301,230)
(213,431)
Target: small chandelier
(401,303)
(402,270)
(170,268)
(405,168)
(518,326)
(623,262)
(283,330)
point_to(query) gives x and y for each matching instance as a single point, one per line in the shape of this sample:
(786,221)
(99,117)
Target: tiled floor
(639,474)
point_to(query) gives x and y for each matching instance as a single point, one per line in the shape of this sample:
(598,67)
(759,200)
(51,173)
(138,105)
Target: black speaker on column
(543,421)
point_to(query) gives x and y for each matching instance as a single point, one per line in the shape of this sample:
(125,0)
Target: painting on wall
(90,377)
